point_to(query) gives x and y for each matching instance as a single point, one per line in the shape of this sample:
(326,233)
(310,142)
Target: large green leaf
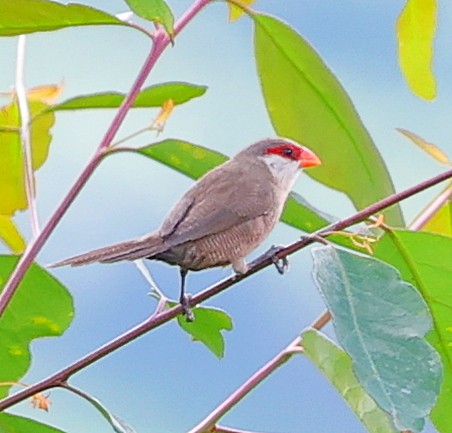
(381,320)
(425,260)
(307,103)
(416,28)
(194,161)
(336,365)
(153,96)
(12,181)
(41,307)
(19,424)
(153,10)
(27,16)
(207,328)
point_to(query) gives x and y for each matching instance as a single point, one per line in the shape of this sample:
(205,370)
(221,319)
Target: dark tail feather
(129,250)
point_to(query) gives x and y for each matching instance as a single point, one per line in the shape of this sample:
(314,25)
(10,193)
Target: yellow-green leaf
(235,11)
(10,235)
(432,149)
(12,183)
(415,32)
(301,93)
(441,221)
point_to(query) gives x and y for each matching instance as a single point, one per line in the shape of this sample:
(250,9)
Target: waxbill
(224,216)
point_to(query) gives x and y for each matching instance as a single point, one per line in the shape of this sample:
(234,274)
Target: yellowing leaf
(41,401)
(12,184)
(415,32)
(433,150)
(10,234)
(235,11)
(48,93)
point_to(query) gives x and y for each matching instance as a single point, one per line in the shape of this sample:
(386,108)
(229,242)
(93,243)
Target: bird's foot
(281,264)
(186,308)
(315,238)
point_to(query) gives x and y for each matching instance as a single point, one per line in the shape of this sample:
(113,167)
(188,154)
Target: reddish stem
(160,317)
(161,42)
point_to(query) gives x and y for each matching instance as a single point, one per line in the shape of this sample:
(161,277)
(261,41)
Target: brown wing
(224,198)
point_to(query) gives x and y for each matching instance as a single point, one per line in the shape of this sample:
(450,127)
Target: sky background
(163,382)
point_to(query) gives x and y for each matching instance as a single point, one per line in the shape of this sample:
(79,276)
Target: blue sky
(164,382)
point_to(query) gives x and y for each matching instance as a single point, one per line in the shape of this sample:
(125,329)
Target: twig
(166,315)
(24,111)
(296,346)
(222,429)
(161,41)
(208,423)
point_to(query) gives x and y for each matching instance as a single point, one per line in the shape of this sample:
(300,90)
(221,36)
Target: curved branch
(161,317)
(161,41)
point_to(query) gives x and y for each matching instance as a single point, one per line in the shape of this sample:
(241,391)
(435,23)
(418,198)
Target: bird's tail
(135,249)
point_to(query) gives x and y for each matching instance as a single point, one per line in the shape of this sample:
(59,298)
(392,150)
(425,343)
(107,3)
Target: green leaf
(380,321)
(153,96)
(306,102)
(300,213)
(28,16)
(10,235)
(207,327)
(19,424)
(154,10)
(416,28)
(336,365)
(41,307)
(185,157)
(424,259)
(12,182)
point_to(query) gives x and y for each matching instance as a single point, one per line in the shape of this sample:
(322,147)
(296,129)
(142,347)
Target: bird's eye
(287,151)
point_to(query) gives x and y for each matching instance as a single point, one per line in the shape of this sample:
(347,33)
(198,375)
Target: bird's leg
(281,264)
(185,299)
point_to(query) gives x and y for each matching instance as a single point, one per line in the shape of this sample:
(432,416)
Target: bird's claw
(315,238)
(186,308)
(281,264)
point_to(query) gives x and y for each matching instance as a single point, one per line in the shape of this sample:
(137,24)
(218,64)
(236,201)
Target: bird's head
(283,157)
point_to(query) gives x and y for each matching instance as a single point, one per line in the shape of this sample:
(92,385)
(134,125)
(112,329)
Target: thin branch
(161,42)
(296,346)
(321,321)
(222,429)
(24,111)
(209,422)
(166,315)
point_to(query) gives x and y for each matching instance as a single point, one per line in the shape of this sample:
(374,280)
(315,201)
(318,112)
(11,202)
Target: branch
(282,357)
(161,41)
(294,347)
(161,317)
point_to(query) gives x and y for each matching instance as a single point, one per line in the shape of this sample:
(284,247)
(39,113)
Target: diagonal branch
(160,317)
(161,41)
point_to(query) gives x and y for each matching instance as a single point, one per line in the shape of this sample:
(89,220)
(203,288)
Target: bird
(223,217)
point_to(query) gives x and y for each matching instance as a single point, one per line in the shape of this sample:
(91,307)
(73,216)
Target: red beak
(309,158)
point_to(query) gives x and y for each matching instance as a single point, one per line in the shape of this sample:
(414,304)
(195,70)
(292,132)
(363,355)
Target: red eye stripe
(290,151)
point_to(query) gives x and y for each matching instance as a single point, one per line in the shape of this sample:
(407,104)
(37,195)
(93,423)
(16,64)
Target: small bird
(224,216)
